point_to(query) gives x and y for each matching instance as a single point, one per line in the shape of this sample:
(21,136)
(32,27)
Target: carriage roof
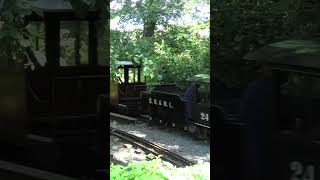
(127,63)
(56,5)
(64,9)
(297,53)
(200,78)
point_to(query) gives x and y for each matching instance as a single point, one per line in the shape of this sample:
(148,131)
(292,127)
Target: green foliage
(171,55)
(180,52)
(128,45)
(14,35)
(240,26)
(155,170)
(82,7)
(140,12)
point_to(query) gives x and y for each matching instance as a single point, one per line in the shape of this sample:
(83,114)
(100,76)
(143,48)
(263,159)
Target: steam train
(164,104)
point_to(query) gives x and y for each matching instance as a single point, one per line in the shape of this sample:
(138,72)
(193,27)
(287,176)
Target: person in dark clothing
(190,97)
(256,111)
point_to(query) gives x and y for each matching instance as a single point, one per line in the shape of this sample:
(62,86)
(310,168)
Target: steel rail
(121,116)
(167,155)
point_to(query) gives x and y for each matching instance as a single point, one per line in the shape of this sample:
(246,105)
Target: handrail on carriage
(30,172)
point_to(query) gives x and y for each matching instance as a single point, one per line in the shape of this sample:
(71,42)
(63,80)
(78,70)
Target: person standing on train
(190,96)
(257,112)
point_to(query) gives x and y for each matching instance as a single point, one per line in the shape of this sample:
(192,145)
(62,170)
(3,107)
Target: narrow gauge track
(157,150)
(128,118)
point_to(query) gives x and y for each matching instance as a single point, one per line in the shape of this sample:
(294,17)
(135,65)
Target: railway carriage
(52,124)
(292,135)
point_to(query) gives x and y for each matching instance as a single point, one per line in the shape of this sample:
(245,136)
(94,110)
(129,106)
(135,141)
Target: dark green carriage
(293,140)
(53,103)
(293,134)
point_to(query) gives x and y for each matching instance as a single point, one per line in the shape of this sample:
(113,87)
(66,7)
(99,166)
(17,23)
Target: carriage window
(38,46)
(204,93)
(133,75)
(74,41)
(121,75)
(102,39)
(299,102)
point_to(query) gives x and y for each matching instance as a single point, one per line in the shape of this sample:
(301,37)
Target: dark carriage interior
(290,136)
(55,124)
(298,98)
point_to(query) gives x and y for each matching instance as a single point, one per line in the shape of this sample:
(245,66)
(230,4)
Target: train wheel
(206,133)
(162,120)
(203,134)
(153,117)
(185,128)
(151,120)
(198,133)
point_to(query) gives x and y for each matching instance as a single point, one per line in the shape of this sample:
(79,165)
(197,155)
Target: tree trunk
(149,28)
(33,58)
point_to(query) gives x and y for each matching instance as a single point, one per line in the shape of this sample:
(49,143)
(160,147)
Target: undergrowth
(156,170)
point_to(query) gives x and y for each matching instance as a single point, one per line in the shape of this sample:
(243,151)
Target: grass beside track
(158,170)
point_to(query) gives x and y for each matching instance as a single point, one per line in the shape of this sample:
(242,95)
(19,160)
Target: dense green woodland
(240,26)
(169,52)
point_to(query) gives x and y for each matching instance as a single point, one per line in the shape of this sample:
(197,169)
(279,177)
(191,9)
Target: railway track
(147,119)
(141,118)
(157,150)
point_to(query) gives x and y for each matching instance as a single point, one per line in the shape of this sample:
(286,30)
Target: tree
(173,54)
(170,53)
(150,13)
(241,26)
(14,35)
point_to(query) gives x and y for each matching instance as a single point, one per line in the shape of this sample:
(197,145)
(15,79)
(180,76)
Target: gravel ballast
(178,142)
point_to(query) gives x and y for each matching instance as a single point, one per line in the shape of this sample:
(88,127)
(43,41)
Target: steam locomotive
(162,103)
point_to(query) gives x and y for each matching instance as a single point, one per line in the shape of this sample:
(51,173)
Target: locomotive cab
(130,82)
(125,94)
